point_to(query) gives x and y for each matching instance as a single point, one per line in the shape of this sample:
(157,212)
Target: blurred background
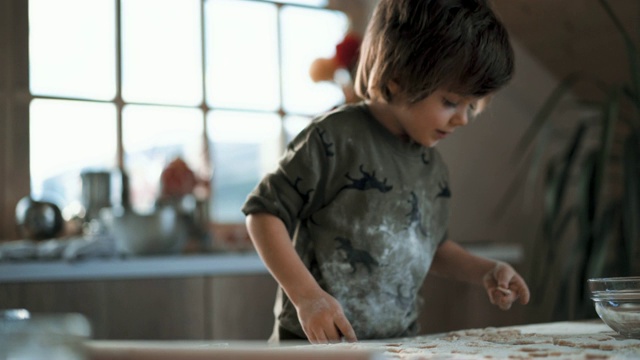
(188,103)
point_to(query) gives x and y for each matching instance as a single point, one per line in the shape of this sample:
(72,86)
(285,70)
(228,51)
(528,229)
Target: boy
(356,214)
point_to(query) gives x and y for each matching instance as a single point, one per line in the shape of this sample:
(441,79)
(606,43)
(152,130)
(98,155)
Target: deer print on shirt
(305,196)
(327,145)
(367,181)
(404,301)
(415,216)
(355,256)
(424,158)
(445,192)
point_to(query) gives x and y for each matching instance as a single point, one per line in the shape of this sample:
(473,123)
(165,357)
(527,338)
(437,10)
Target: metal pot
(38,220)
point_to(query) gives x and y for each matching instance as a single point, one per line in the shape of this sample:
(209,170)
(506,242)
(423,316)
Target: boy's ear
(395,91)
(394,88)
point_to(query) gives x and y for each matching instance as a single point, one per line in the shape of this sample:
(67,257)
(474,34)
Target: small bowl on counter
(163,231)
(617,302)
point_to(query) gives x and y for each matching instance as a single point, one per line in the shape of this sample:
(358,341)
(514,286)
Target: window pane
(308,34)
(242,55)
(161,51)
(245,146)
(152,137)
(65,138)
(72,48)
(317,3)
(294,124)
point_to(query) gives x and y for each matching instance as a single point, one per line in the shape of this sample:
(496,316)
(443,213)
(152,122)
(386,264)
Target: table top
(559,340)
(228,263)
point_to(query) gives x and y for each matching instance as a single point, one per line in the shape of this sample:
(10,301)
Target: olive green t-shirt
(366,212)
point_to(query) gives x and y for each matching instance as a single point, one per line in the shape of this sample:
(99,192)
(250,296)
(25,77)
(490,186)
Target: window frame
(15,96)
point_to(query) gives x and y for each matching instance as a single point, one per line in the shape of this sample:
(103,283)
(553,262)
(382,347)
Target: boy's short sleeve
(294,188)
(445,237)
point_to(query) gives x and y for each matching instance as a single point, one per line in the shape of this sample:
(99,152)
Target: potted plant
(589,188)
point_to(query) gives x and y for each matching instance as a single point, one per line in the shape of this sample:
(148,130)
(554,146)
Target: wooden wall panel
(216,308)
(240,307)
(11,296)
(156,309)
(84,297)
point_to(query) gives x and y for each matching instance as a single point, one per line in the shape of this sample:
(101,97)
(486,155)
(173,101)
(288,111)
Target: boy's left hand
(504,286)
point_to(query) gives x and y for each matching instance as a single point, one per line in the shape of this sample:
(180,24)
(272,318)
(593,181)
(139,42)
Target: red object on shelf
(347,51)
(177,179)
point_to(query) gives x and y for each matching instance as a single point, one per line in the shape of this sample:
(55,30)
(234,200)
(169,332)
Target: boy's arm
(502,283)
(320,315)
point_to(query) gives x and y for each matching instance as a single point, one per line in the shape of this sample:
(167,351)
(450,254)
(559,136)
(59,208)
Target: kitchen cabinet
(85,297)
(191,308)
(156,308)
(226,296)
(10,296)
(241,307)
(229,307)
(223,307)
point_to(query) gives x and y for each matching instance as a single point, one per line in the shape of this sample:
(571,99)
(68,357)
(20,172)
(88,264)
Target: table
(558,340)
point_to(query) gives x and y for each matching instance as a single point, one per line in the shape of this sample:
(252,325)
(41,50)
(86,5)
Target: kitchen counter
(220,263)
(560,340)
(228,263)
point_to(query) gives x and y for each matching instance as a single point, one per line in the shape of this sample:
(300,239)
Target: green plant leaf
(586,215)
(542,117)
(631,200)
(632,52)
(604,240)
(529,166)
(610,115)
(568,160)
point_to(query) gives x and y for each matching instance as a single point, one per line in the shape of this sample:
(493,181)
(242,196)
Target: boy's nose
(460,118)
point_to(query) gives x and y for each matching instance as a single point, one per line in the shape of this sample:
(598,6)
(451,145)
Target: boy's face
(433,118)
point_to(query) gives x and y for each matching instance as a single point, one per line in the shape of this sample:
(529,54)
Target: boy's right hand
(323,320)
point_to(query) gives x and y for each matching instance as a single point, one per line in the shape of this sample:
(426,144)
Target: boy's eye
(448,103)
(475,108)
(473,111)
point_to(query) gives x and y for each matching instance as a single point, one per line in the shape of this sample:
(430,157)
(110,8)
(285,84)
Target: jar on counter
(24,335)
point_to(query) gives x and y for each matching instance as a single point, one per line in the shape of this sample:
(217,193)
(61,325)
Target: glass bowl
(617,302)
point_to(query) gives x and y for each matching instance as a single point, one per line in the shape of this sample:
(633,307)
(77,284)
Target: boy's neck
(383,114)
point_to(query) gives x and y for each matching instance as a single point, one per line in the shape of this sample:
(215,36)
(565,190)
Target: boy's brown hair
(422,45)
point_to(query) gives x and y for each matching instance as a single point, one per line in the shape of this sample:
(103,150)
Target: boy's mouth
(442,134)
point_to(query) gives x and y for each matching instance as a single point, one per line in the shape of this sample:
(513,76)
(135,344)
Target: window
(136,83)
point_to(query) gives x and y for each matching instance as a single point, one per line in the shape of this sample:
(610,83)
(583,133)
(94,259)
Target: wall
(14,102)
(479,158)
(359,12)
